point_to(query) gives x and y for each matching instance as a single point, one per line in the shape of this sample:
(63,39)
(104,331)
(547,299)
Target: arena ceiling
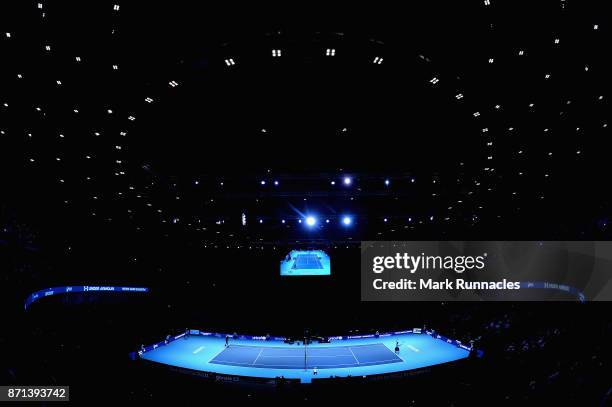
(219,126)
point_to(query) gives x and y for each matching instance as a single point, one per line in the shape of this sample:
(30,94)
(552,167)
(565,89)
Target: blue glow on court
(306,263)
(306,358)
(341,358)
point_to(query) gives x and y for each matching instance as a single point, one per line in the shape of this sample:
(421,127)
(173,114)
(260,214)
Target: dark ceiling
(484,119)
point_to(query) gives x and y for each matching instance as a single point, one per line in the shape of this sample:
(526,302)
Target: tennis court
(273,358)
(307,261)
(306,358)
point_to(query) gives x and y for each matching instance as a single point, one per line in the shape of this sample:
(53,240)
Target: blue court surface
(299,357)
(341,358)
(306,263)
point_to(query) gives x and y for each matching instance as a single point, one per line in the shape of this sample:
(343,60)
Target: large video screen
(306,263)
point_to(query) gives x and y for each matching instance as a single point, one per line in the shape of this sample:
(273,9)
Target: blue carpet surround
(271,357)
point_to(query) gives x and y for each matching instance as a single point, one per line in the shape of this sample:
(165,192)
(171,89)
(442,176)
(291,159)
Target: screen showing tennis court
(306,263)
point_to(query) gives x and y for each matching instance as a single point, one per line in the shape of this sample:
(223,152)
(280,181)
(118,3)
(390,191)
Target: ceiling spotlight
(311,220)
(276,183)
(347,180)
(346,220)
(263,182)
(387,182)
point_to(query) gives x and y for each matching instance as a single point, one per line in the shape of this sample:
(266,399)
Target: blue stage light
(311,220)
(347,220)
(387,182)
(276,183)
(347,180)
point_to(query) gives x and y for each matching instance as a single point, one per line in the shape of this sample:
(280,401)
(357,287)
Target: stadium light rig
(311,220)
(347,220)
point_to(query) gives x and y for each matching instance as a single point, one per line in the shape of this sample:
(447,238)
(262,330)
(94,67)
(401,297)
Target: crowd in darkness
(534,353)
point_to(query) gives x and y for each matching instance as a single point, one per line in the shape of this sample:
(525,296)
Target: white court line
(198,350)
(302,356)
(413,348)
(294,347)
(220,352)
(354,356)
(382,362)
(259,354)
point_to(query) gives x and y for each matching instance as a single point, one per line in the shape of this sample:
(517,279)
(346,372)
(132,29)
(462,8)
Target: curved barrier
(554,286)
(80,289)
(195,332)
(266,357)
